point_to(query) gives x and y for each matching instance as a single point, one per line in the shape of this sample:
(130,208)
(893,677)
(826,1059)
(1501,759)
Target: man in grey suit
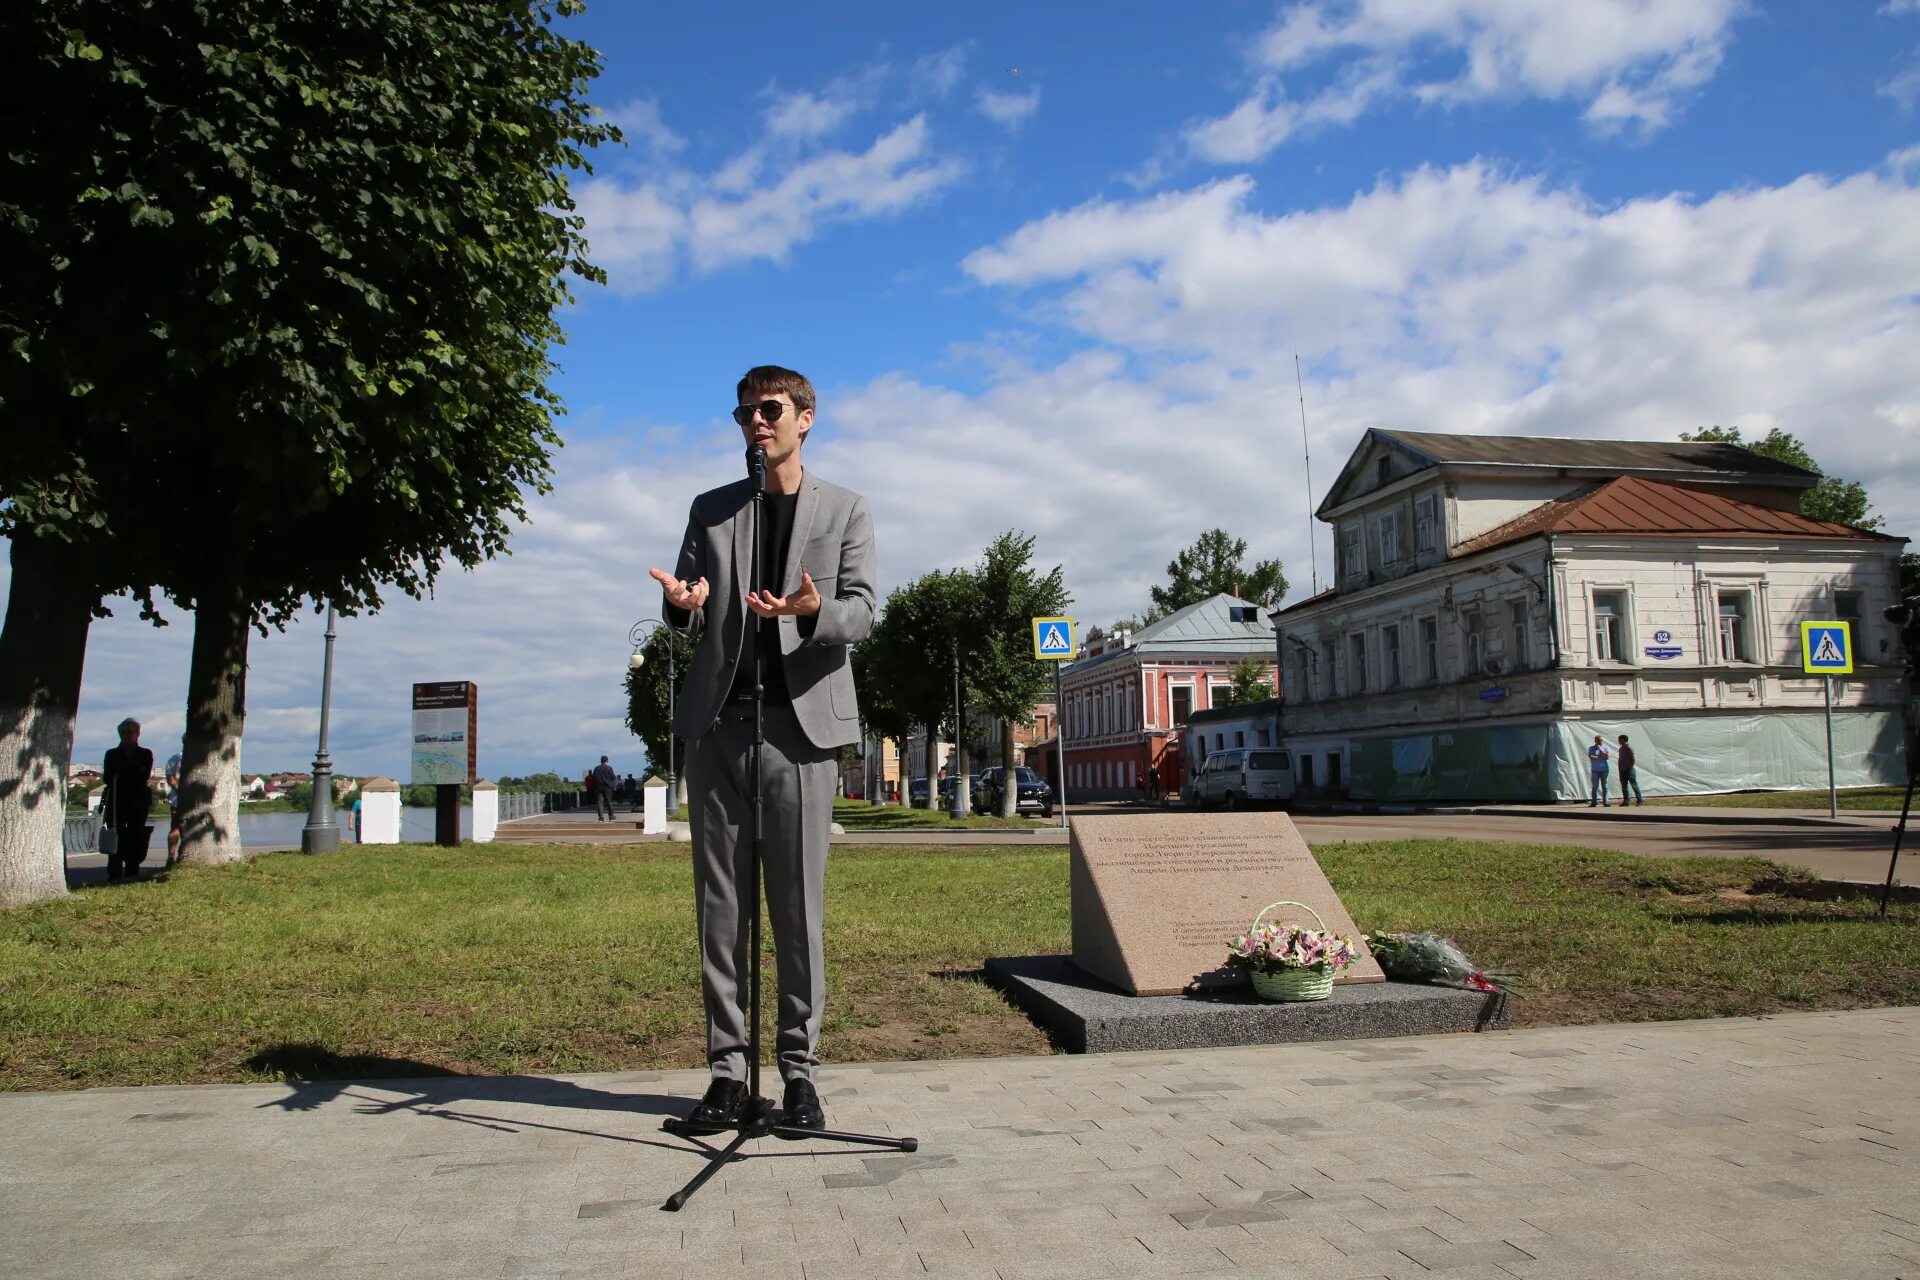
(814,600)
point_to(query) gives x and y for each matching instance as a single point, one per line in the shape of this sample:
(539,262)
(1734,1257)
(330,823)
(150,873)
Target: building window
(1357,663)
(1352,563)
(1266,738)
(1218,693)
(1239,738)
(1473,642)
(1425,523)
(1517,657)
(1430,649)
(1182,695)
(1736,626)
(1846,607)
(1381,470)
(1609,626)
(1390,538)
(1303,673)
(1326,667)
(1390,656)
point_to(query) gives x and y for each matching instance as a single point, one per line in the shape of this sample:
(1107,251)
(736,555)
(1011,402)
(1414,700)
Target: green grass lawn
(407,960)
(858,815)
(1850,798)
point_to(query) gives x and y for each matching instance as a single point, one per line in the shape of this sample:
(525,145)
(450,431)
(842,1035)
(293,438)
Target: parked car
(946,790)
(1240,776)
(917,793)
(1033,796)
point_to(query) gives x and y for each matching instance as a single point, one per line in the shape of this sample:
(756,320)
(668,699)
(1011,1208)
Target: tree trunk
(43,647)
(216,715)
(1010,794)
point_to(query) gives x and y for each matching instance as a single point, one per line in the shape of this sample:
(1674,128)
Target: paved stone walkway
(1737,1149)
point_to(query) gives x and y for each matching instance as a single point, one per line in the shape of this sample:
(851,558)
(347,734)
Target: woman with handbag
(124,808)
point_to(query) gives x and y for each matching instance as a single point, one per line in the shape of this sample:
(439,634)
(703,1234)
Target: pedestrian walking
(1629,774)
(604,781)
(173,808)
(126,772)
(1599,762)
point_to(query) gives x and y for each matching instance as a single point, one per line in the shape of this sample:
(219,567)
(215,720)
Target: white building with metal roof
(1498,601)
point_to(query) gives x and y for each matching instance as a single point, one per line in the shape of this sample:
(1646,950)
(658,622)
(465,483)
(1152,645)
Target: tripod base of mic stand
(759,1119)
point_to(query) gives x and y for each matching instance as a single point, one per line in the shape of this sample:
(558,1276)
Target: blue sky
(1049,265)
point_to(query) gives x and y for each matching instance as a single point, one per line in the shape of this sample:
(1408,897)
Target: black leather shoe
(800,1108)
(720,1109)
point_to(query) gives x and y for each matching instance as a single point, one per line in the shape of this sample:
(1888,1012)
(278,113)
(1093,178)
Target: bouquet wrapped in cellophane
(1428,957)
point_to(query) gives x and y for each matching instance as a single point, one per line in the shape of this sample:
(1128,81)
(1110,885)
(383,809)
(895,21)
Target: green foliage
(1251,681)
(282,277)
(536,782)
(983,614)
(1213,565)
(649,691)
(425,795)
(1841,501)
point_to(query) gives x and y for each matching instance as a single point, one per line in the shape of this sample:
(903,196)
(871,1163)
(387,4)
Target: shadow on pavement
(316,1075)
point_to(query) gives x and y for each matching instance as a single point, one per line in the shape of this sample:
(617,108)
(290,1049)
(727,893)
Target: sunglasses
(768,409)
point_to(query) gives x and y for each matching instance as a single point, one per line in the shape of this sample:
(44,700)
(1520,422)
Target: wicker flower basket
(1293,984)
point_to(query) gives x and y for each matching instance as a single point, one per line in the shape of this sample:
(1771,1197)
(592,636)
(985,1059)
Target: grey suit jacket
(833,541)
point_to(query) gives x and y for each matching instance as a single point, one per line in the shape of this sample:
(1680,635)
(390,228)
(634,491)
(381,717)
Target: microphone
(757,466)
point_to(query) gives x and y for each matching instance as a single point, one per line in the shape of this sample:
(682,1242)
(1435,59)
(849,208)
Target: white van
(1240,776)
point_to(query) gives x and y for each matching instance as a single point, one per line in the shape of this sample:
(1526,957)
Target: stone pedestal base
(1087,1015)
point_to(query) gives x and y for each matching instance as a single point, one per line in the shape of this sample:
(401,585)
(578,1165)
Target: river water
(263,830)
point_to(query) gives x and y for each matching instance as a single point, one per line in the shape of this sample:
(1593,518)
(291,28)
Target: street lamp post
(957,807)
(637,636)
(322,833)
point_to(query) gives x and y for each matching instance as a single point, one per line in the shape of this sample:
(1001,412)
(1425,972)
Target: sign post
(1053,642)
(445,748)
(1826,650)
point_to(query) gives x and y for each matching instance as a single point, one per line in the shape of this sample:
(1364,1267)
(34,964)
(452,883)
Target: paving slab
(1751,1148)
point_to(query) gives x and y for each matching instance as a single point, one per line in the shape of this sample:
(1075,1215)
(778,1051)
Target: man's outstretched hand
(680,594)
(803,603)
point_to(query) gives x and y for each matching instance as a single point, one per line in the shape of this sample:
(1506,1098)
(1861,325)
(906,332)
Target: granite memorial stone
(1156,896)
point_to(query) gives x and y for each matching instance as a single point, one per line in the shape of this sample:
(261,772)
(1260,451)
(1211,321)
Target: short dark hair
(603,759)
(771,380)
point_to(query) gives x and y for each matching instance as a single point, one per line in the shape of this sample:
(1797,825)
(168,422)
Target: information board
(446,717)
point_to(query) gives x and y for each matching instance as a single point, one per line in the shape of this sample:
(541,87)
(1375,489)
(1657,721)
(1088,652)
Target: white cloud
(1628,63)
(762,203)
(1009,110)
(644,129)
(1900,6)
(807,116)
(1904,85)
(937,75)
(1471,300)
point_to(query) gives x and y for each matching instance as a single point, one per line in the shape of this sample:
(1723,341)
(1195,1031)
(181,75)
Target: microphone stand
(759,1118)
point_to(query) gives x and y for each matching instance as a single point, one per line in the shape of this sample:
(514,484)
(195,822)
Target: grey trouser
(798,787)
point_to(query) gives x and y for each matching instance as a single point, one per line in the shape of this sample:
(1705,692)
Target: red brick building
(1127,697)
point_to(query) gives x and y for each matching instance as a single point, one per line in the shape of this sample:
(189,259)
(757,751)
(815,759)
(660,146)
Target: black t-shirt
(776,535)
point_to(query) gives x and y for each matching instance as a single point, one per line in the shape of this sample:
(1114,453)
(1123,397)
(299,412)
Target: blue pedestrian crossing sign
(1826,648)
(1053,638)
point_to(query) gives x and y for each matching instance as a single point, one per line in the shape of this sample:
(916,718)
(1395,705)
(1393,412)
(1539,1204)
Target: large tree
(1216,563)
(921,627)
(1841,501)
(665,655)
(1007,679)
(281,283)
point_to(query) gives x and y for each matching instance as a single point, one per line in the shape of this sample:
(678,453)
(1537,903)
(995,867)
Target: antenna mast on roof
(1313,556)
